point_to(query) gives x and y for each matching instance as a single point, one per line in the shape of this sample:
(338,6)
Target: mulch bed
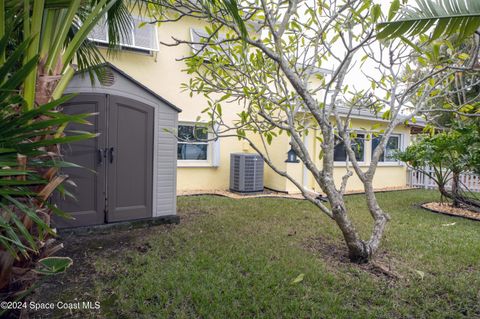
(448,209)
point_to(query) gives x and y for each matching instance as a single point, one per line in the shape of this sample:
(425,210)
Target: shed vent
(107,77)
(246,172)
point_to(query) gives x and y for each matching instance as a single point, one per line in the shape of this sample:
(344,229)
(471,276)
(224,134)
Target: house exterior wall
(163,74)
(388,174)
(278,154)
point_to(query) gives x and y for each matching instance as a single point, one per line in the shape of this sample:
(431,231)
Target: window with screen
(392,147)
(193,142)
(358,146)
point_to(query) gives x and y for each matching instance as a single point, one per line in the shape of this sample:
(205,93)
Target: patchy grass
(237,259)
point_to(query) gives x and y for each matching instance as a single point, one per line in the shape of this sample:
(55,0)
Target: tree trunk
(455,187)
(359,251)
(458,199)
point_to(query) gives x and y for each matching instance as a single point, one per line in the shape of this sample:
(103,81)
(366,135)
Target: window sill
(344,164)
(365,164)
(193,164)
(391,164)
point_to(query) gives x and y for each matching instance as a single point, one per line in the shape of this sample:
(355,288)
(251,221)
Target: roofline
(130,78)
(380,119)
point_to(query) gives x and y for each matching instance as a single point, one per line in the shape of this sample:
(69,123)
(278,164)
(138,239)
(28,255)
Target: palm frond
(231,8)
(88,57)
(119,22)
(445,17)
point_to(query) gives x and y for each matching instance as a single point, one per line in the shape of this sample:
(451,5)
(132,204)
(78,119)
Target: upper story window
(143,36)
(358,146)
(393,146)
(192,142)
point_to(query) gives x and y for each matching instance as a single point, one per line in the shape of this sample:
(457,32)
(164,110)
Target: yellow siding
(277,152)
(163,74)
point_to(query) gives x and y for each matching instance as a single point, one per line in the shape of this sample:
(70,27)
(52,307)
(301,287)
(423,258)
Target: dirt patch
(336,256)
(78,283)
(448,209)
(84,249)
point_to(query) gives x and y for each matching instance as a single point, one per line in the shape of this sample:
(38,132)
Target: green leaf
(223,98)
(420,273)
(422,61)
(365,5)
(393,9)
(269,139)
(298,279)
(53,265)
(413,45)
(376,12)
(386,115)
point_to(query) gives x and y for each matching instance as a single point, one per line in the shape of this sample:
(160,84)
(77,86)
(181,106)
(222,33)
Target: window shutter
(216,149)
(99,32)
(142,37)
(196,36)
(145,35)
(126,39)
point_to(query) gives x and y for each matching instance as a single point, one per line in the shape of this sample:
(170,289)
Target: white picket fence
(418,179)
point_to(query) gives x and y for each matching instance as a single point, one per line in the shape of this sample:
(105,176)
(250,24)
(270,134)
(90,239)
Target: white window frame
(212,149)
(401,139)
(363,162)
(136,47)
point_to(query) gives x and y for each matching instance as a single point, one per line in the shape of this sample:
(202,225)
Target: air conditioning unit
(246,172)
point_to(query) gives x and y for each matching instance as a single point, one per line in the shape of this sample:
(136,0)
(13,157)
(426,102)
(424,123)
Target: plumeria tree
(276,82)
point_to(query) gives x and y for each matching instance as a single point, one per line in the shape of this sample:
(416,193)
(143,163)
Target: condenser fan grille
(246,172)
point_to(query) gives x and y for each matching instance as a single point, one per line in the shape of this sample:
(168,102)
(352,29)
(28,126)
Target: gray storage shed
(130,168)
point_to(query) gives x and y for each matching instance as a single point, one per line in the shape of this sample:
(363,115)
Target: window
(358,146)
(142,36)
(393,145)
(192,142)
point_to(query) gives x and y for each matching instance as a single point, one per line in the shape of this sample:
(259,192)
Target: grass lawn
(237,259)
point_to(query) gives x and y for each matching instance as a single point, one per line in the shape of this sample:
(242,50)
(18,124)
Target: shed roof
(120,79)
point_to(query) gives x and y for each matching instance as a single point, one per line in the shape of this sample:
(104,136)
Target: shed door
(116,180)
(130,167)
(89,204)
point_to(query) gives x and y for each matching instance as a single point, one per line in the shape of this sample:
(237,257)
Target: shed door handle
(111,154)
(100,155)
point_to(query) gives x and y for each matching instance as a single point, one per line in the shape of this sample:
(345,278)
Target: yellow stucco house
(206,165)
